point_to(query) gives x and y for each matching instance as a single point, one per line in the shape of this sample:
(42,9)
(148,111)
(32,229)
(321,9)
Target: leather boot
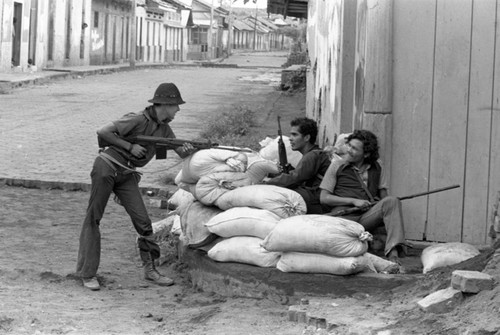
(150,272)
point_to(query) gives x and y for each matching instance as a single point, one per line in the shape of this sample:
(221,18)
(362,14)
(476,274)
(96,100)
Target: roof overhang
(294,8)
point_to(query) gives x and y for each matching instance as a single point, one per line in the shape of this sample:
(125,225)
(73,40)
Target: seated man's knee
(390,201)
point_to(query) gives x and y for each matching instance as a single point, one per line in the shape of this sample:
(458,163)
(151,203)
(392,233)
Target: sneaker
(91,283)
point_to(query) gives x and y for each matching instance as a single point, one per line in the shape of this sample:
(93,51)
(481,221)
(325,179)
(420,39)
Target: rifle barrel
(355,209)
(428,192)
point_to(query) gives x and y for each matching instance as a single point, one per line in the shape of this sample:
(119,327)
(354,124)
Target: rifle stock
(285,167)
(357,209)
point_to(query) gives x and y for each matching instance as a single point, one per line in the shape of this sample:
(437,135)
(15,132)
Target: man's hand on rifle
(361,204)
(186,149)
(137,150)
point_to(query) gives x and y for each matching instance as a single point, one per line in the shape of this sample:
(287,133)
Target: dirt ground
(39,295)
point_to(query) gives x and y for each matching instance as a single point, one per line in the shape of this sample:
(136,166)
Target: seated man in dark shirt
(358,181)
(306,177)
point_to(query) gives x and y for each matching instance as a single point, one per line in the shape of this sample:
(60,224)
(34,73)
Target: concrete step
(243,280)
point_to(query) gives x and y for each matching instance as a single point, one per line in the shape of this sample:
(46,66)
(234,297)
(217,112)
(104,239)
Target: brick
(471,281)
(292,313)
(302,316)
(441,301)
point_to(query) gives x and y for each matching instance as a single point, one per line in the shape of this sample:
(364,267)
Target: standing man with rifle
(358,182)
(306,177)
(114,171)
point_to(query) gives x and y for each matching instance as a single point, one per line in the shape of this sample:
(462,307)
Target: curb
(72,73)
(71,187)
(243,280)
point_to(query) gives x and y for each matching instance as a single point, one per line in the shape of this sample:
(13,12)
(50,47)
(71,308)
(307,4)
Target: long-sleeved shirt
(308,173)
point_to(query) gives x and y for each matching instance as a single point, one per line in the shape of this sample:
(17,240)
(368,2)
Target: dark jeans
(387,212)
(312,200)
(126,187)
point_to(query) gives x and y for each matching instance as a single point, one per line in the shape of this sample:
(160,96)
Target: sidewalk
(20,79)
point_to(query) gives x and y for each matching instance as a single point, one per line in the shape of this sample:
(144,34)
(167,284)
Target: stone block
(471,281)
(441,301)
(159,203)
(292,312)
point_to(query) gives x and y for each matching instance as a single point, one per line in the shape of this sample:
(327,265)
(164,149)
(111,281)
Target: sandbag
(211,186)
(378,264)
(319,263)
(270,151)
(193,219)
(243,221)
(279,200)
(207,161)
(181,199)
(445,254)
(176,227)
(243,249)
(320,234)
(260,169)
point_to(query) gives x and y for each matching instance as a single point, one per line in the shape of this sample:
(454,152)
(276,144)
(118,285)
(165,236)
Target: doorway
(33,33)
(16,34)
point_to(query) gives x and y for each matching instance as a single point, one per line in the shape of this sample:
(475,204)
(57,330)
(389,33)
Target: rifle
(355,209)
(284,166)
(162,144)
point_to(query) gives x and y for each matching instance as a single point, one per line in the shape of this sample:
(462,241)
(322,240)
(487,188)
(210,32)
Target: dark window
(96,19)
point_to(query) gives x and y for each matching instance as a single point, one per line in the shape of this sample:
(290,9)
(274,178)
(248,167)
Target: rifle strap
(109,159)
(365,188)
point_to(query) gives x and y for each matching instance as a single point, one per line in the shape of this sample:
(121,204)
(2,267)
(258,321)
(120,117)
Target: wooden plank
(378,60)
(475,221)
(494,175)
(348,66)
(449,118)
(413,56)
(359,64)
(378,77)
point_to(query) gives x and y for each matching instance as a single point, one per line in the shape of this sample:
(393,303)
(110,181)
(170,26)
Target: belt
(110,160)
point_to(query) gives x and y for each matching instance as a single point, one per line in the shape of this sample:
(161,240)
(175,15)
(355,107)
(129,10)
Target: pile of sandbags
(243,230)
(262,225)
(319,244)
(218,180)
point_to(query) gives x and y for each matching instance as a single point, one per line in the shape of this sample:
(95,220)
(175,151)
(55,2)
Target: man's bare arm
(108,134)
(329,199)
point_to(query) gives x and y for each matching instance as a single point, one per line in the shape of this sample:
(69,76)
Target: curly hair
(306,126)
(370,143)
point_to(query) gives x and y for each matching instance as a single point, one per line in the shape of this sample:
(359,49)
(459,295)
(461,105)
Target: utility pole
(210,38)
(230,25)
(255,27)
(133,37)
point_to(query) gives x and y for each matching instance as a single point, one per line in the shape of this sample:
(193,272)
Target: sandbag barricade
(211,186)
(258,170)
(243,221)
(180,199)
(243,249)
(279,200)
(193,218)
(320,234)
(320,263)
(208,161)
(445,254)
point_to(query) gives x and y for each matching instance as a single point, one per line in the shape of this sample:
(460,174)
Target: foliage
(232,128)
